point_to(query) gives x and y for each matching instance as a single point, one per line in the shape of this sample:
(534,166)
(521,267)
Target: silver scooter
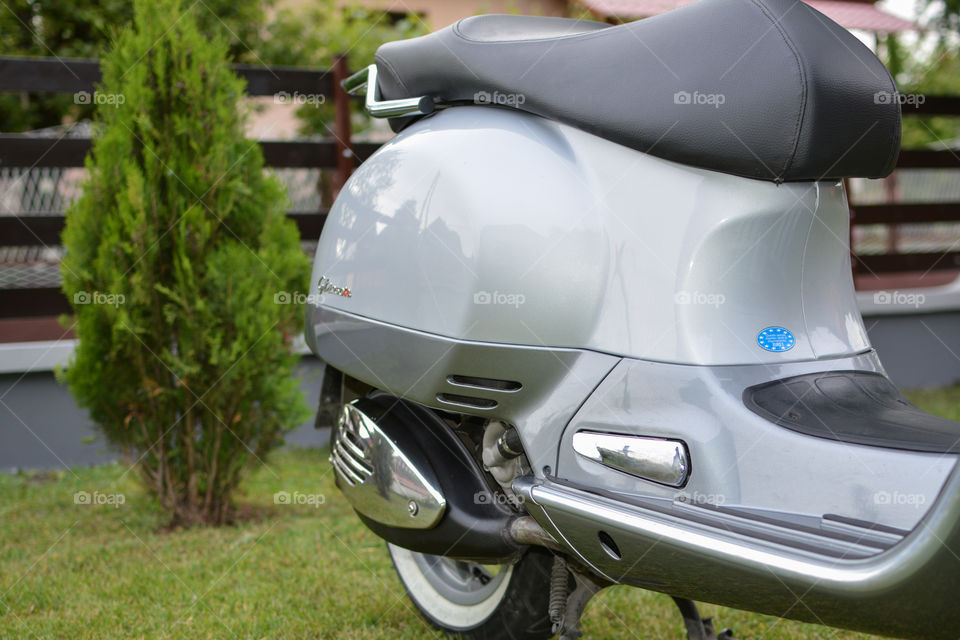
(589,320)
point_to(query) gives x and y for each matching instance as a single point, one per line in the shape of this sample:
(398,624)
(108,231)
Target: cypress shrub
(176,250)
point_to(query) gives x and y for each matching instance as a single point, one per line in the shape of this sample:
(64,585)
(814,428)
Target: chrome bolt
(412,508)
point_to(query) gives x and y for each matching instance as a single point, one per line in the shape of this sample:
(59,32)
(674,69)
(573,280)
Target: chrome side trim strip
(607,514)
(905,591)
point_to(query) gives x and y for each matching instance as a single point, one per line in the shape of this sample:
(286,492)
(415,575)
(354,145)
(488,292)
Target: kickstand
(567,611)
(699,628)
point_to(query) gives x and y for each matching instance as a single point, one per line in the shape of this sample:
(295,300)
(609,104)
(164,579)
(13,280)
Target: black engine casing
(474,524)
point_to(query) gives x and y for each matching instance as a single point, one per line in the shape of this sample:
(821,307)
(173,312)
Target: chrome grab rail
(365,82)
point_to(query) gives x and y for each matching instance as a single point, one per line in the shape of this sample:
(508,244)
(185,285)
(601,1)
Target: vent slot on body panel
(491,384)
(470,402)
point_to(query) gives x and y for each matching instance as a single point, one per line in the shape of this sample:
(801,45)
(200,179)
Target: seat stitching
(381,60)
(894,148)
(460,34)
(803,86)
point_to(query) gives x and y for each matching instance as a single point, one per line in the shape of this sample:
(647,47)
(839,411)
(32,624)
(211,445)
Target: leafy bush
(313,34)
(83,29)
(176,252)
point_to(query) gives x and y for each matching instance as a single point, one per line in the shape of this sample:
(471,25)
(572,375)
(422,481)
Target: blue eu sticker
(776,339)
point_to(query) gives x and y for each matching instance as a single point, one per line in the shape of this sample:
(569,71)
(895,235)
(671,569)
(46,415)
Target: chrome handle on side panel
(657,459)
(365,82)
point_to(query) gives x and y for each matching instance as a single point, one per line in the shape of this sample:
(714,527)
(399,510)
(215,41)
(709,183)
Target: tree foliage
(312,36)
(939,77)
(176,253)
(934,73)
(946,15)
(255,33)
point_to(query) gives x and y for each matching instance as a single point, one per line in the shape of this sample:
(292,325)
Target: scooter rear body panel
(495,263)
(740,460)
(493,225)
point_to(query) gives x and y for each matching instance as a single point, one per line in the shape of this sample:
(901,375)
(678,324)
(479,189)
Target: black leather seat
(768,89)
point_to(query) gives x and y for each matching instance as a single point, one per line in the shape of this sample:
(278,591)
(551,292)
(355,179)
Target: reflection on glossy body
(493,225)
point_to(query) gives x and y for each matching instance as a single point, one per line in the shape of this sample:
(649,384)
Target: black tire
(515,609)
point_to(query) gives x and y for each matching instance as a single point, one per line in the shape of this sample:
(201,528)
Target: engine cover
(437,502)
(378,479)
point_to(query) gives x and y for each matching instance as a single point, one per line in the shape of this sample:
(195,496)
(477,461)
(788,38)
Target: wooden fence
(339,155)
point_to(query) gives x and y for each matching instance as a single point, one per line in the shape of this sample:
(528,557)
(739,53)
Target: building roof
(852,14)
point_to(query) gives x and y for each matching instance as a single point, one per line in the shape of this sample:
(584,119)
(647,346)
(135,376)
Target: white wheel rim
(437,605)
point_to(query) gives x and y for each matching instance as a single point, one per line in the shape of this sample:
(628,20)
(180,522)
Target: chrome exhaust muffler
(414,483)
(378,479)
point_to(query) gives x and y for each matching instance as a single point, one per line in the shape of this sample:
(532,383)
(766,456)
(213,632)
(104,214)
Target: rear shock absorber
(559,592)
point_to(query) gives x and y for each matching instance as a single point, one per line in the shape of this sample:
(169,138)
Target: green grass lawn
(289,571)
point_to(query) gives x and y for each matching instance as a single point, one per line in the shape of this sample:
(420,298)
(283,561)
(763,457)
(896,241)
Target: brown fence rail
(900,213)
(898,262)
(30,230)
(340,155)
(72,75)
(64,75)
(895,214)
(19,150)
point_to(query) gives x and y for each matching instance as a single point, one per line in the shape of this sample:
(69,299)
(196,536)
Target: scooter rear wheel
(482,602)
